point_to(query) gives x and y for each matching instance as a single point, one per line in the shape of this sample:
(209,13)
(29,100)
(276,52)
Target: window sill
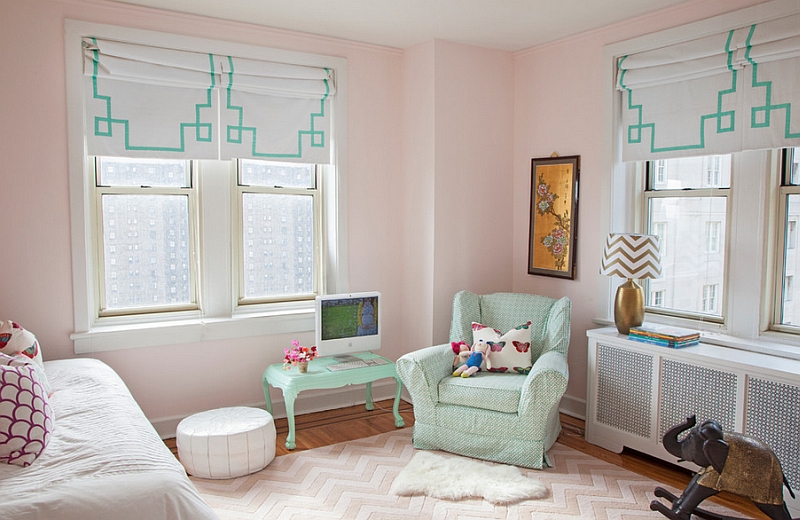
(155,334)
(770,343)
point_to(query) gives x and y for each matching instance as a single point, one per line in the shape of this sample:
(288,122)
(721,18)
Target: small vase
(302,367)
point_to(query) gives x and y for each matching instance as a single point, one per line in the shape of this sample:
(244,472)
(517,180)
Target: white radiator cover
(637,391)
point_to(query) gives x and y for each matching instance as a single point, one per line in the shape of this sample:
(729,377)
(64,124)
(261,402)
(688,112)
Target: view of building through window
(278,235)
(790,311)
(687,208)
(145,224)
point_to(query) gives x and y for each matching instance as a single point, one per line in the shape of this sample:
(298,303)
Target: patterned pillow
(26,419)
(18,342)
(510,352)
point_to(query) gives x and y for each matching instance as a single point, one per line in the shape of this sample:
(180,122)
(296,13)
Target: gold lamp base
(628,306)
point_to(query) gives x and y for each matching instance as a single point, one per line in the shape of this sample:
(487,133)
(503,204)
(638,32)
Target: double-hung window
(787,316)
(145,235)
(704,133)
(205,186)
(696,215)
(278,238)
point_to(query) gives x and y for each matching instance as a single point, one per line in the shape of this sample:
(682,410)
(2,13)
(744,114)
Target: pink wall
(558,107)
(474,150)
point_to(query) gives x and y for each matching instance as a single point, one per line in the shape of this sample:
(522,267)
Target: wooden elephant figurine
(729,461)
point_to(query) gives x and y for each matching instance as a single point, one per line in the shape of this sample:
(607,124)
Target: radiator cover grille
(773,415)
(624,390)
(692,390)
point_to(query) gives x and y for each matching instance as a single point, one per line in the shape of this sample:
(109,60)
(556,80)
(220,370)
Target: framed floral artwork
(554,216)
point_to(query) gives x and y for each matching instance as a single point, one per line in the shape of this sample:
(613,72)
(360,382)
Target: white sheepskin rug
(454,478)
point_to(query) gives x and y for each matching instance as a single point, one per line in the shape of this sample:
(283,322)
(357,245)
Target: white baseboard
(307,402)
(573,407)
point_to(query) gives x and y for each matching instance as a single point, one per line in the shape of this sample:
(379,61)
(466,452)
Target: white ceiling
(501,24)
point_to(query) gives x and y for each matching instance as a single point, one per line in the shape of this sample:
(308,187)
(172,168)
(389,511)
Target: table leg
(266,395)
(398,419)
(289,398)
(370,403)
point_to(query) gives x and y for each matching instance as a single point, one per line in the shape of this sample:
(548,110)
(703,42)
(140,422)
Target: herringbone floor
(330,428)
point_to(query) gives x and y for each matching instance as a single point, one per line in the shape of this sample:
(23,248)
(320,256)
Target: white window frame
(709,298)
(752,268)
(219,317)
(657,298)
(98,190)
(243,301)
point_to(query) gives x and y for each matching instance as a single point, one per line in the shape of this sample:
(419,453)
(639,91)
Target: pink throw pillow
(26,418)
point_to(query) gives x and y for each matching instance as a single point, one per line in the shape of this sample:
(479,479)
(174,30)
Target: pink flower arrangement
(298,354)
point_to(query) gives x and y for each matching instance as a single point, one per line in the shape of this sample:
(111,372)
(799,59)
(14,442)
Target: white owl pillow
(510,353)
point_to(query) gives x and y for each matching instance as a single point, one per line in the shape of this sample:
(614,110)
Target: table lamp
(630,256)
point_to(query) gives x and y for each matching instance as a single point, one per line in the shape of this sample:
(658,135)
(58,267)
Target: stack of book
(665,336)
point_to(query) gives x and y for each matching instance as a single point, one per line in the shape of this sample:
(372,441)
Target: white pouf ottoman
(226,442)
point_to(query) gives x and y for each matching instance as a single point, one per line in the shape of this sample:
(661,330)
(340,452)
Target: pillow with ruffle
(26,418)
(18,342)
(510,353)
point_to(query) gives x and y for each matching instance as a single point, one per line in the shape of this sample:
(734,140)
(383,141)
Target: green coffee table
(292,382)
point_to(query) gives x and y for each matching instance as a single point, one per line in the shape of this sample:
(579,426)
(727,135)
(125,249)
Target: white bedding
(104,460)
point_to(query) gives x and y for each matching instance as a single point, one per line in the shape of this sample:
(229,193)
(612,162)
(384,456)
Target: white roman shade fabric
(733,91)
(144,101)
(275,111)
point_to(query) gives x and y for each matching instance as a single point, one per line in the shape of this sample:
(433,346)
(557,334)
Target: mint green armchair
(508,418)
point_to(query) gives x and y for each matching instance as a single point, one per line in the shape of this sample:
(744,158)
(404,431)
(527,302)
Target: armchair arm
(421,371)
(544,387)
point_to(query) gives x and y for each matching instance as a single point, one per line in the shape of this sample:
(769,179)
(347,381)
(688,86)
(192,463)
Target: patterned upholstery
(505,418)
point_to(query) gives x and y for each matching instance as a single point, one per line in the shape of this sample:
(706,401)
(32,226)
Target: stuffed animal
(478,355)
(462,351)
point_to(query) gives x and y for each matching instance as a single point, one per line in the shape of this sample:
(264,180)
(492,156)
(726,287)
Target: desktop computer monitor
(348,323)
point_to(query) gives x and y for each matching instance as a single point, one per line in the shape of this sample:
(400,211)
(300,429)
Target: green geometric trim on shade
(765,111)
(103,126)
(726,120)
(235,132)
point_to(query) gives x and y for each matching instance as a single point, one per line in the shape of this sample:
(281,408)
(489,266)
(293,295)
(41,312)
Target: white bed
(104,460)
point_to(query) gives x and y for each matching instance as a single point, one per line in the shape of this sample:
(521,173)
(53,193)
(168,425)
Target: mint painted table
(292,382)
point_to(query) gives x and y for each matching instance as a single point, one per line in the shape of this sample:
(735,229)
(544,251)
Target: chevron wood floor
(354,423)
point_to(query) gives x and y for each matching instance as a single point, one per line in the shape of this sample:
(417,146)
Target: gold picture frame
(554,216)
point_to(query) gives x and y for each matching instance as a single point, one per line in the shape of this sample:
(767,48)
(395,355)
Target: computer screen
(348,323)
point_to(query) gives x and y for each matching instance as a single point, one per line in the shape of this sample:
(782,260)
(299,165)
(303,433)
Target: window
(172,250)
(657,298)
(738,292)
(789,216)
(661,173)
(145,238)
(696,216)
(712,236)
(280,222)
(710,298)
(713,171)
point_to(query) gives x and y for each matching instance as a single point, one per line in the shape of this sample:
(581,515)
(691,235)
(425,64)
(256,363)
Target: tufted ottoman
(226,442)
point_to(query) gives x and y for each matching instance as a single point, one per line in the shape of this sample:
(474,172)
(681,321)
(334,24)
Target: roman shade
(723,93)
(145,101)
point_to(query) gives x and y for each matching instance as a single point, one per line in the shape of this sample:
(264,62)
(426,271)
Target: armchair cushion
(487,391)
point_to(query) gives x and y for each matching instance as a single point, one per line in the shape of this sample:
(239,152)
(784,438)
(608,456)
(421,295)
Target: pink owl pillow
(510,352)
(26,419)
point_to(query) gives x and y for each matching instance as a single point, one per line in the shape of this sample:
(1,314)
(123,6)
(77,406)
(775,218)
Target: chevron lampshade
(631,256)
